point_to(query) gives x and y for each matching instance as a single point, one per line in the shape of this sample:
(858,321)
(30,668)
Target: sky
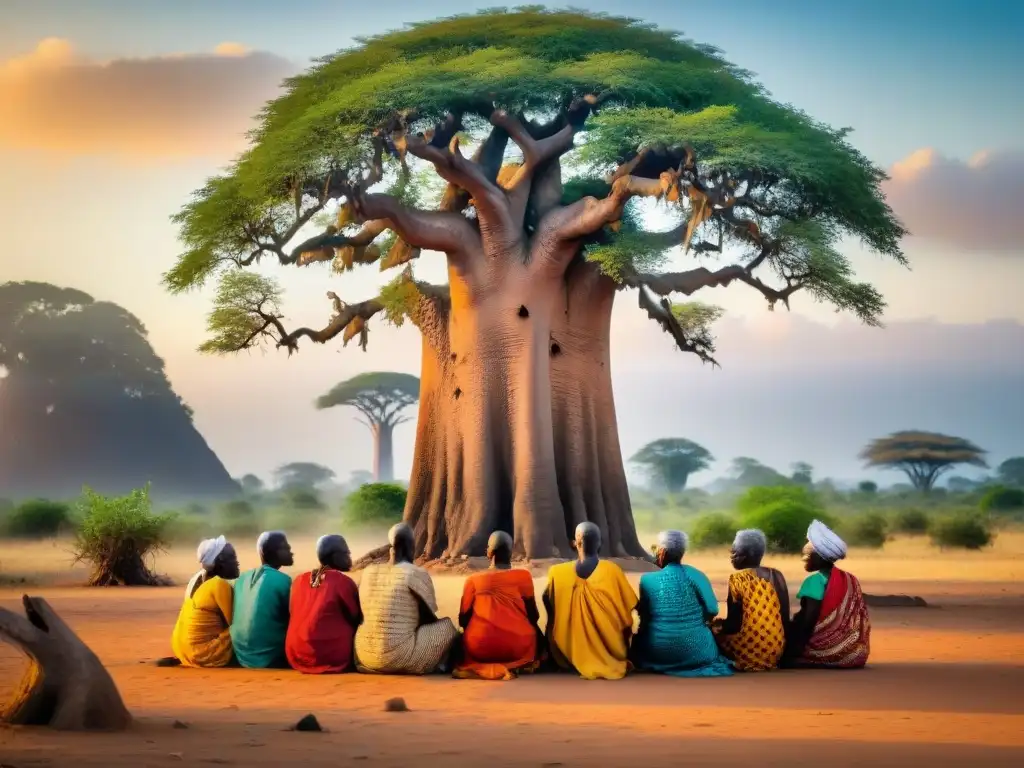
(116,110)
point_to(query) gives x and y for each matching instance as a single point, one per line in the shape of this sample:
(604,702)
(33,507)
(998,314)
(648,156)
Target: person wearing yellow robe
(202,634)
(590,611)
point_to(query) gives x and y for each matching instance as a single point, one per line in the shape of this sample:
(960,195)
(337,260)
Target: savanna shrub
(867,530)
(117,535)
(964,530)
(375,504)
(783,513)
(911,520)
(999,498)
(867,487)
(304,499)
(238,518)
(715,530)
(38,518)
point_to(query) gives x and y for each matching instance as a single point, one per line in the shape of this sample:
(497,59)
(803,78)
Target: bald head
(274,549)
(403,543)
(499,549)
(588,539)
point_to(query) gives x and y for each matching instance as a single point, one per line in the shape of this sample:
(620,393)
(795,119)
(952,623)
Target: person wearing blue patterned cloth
(676,607)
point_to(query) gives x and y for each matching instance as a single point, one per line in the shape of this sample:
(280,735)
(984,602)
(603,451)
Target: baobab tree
(574,126)
(380,397)
(670,461)
(923,456)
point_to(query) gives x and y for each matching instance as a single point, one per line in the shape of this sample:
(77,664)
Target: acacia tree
(671,460)
(380,397)
(576,124)
(922,456)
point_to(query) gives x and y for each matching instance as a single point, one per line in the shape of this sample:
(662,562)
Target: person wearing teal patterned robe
(676,605)
(260,623)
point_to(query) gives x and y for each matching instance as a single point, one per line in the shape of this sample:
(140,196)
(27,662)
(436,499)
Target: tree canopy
(922,456)
(81,385)
(1011,472)
(670,461)
(751,473)
(656,118)
(302,474)
(379,395)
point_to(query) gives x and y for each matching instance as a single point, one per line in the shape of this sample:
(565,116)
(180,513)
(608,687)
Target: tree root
(65,686)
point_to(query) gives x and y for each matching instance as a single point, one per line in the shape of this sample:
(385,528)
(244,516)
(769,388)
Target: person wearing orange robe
(501,633)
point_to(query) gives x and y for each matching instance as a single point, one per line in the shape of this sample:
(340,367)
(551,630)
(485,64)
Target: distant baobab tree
(922,456)
(380,397)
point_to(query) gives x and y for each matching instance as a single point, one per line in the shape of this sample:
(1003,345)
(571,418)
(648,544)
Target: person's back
(390,616)
(201,635)
(260,623)
(324,615)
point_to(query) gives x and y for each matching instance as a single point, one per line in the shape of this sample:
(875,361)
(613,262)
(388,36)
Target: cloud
(193,104)
(975,205)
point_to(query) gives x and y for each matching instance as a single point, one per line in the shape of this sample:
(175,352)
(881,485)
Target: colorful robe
(499,641)
(391,639)
(261,618)
(202,635)
(842,635)
(589,619)
(759,644)
(674,637)
(324,614)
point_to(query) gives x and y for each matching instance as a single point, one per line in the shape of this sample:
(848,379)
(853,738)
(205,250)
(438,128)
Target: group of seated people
(321,622)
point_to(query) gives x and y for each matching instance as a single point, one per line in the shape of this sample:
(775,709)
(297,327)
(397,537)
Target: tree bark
(65,686)
(383,452)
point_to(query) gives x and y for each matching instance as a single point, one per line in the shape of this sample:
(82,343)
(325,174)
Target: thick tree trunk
(383,452)
(65,686)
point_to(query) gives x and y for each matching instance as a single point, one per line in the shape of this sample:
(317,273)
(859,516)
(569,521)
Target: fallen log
(65,686)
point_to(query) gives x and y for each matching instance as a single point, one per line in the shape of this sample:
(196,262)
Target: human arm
(224,598)
(422,587)
(801,627)
(782,590)
(705,594)
(466,606)
(733,621)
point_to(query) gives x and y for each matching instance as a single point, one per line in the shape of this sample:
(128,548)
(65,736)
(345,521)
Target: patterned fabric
(589,618)
(674,638)
(202,637)
(842,636)
(324,612)
(499,641)
(391,640)
(759,644)
(261,618)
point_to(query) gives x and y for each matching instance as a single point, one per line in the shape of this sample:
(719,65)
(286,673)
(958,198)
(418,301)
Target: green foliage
(375,505)
(302,474)
(400,298)
(235,322)
(302,499)
(238,518)
(715,530)
(760,496)
(117,534)
(748,473)
(783,513)
(867,487)
(923,456)
(964,530)
(390,386)
(999,498)
(911,521)
(1011,472)
(671,460)
(867,530)
(38,518)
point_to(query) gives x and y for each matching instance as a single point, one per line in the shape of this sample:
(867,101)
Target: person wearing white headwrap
(676,607)
(261,605)
(202,636)
(832,628)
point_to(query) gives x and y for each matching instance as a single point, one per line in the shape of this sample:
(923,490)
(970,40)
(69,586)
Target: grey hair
(588,534)
(750,542)
(264,540)
(498,541)
(400,532)
(328,544)
(675,543)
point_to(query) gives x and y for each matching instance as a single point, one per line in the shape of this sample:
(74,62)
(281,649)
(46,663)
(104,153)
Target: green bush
(237,518)
(784,521)
(867,530)
(376,505)
(867,487)
(188,528)
(763,495)
(964,530)
(37,519)
(999,498)
(304,499)
(715,530)
(117,536)
(911,520)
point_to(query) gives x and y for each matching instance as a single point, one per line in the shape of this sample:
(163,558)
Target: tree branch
(661,311)
(448,232)
(322,247)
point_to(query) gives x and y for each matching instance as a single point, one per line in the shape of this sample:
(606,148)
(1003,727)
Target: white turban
(825,542)
(209,549)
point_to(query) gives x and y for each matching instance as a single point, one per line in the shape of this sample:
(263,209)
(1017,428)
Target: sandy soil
(943,688)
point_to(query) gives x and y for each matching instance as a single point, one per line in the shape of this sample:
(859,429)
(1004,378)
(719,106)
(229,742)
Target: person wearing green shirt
(260,622)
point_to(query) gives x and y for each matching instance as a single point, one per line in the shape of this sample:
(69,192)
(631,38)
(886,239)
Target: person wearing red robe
(325,612)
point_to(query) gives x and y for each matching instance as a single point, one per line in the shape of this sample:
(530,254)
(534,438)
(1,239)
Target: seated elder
(753,634)
(401,633)
(499,618)
(261,606)
(590,611)
(324,612)
(832,628)
(202,636)
(676,607)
